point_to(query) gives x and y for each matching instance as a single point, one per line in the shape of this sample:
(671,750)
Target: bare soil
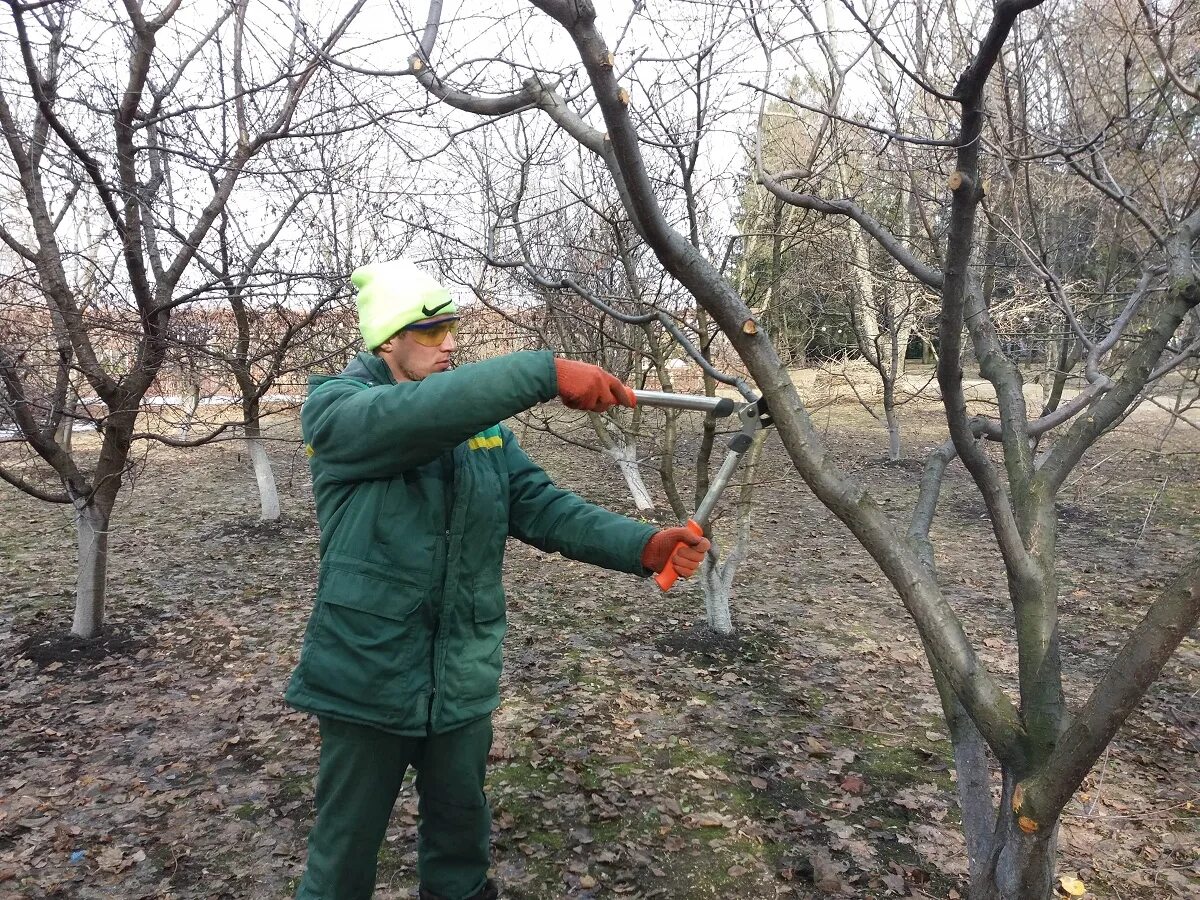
(637,754)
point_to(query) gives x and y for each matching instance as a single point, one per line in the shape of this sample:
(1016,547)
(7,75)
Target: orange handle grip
(668,575)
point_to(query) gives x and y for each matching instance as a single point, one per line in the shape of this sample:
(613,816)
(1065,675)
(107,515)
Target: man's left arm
(544,515)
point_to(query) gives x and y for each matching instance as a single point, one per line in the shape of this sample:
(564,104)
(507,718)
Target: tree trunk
(717,577)
(893,422)
(716,590)
(1181,404)
(928,357)
(625,456)
(66,427)
(1069,353)
(268,494)
(901,337)
(1018,866)
(91,525)
(862,301)
(622,450)
(190,403)
(666,465)
(709,434)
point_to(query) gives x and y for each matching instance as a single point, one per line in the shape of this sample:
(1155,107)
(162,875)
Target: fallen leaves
(1071,886)
(809,758)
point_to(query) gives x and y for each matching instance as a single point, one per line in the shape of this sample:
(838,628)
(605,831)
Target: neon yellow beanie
(393,295)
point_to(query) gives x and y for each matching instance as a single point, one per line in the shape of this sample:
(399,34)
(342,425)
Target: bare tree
(81,147)
(270,286)
(581,281)
(1043,748)
(866,304)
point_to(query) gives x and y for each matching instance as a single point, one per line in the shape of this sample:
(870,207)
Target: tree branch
(923,272)
(1116,695)
(988,705)
(25,487)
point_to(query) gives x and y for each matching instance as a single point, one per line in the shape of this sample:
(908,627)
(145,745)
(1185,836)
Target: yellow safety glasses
(432,335)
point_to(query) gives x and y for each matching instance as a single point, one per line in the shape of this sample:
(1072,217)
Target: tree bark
(625,456)
(889,415)
(66,426)
(91,526)
(268,493)
(716,590)
(1019,864)
(190,404)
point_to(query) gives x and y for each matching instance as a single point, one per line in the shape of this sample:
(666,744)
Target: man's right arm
(360,432)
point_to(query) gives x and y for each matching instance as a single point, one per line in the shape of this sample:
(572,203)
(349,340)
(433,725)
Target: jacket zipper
(437,628)
(447,502)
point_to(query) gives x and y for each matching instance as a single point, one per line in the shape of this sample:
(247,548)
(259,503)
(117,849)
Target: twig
(890,734)
(1146,521)
(1092,468)
(1100,782)
(1146,813)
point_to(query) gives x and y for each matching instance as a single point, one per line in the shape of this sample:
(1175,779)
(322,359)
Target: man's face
(409,354)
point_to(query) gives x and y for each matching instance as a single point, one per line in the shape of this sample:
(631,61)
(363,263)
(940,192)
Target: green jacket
(417,489)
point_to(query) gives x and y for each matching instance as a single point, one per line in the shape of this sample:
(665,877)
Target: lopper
(754,418)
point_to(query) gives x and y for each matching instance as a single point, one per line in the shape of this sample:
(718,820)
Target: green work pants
(359,777)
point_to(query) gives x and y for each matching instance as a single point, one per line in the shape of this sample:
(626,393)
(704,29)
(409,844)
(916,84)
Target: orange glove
(584,386)
(686,559)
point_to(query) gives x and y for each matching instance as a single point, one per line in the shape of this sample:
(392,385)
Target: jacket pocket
(391,593)
(370,645)
(485,530)
(472,671)
(489,602)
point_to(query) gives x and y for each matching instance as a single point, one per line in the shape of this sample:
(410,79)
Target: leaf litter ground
(636,754)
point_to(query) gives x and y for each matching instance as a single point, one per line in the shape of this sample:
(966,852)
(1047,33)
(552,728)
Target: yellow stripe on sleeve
(485,443)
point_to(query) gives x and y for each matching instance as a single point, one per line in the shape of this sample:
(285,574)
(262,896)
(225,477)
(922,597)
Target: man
(417,487)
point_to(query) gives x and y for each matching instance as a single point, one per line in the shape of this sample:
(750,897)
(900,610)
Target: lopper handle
(668,575)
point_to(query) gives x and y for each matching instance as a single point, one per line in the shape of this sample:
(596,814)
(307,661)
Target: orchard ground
(636,755)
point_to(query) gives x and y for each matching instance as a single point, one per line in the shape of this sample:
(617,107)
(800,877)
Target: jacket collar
(369,368)
(364,367)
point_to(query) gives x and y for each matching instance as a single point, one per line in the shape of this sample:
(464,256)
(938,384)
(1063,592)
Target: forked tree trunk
(717,578)
(1017,865)
(622,450)
(91,525)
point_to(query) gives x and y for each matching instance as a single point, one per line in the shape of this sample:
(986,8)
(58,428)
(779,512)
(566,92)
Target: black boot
(487,892)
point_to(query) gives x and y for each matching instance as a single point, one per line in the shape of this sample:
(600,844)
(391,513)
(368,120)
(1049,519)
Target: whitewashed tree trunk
(716,590)
(866,313)
(268,493)
(190,403)
(904,330)
(716,578)
(893,428)
(622,450)
(91,526)
(66,428)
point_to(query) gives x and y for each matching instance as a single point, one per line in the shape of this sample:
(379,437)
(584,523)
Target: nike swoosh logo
(436,309)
